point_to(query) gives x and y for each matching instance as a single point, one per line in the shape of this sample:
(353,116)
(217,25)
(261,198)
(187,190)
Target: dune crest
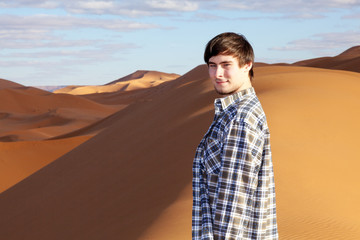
(8,84)
(134,81)
(348,60)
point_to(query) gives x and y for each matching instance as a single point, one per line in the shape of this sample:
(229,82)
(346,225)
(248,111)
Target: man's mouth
(220,82)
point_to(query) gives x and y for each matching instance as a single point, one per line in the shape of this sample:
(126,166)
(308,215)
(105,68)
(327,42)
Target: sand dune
(8,84)
(133,179)
(134,81)
(21,159)
(28,113)
(31,115)
(349,60)
(151,76)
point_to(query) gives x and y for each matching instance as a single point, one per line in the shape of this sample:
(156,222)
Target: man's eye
(212,65)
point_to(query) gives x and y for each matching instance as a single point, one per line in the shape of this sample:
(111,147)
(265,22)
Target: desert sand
(29,113)
(128,174)
(21,159)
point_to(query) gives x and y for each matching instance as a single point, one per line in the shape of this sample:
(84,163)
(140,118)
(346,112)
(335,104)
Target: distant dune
(28,113)
(128,175)
(349,60)
(8,84)
(143,79)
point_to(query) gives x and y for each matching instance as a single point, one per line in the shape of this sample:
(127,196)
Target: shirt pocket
(212,155)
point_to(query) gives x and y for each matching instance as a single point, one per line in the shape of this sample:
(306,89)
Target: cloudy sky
(46,42)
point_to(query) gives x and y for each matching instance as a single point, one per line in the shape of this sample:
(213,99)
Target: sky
(77,42)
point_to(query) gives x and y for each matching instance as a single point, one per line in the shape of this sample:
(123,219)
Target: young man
(233,179)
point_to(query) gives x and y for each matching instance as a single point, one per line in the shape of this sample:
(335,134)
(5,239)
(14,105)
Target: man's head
(231,44)
(229,57)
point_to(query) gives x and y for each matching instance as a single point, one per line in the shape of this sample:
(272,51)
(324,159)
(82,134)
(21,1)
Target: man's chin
(224,92)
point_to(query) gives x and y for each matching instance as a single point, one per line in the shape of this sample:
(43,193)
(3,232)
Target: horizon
(47,43)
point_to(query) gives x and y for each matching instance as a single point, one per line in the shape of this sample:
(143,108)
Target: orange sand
(28,114)
(21,159)
(132,180)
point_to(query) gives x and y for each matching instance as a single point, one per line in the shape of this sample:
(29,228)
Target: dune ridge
(9,84)
(348,60)
(134,81)
(133,178)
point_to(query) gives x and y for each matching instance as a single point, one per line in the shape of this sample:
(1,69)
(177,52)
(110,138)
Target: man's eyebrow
(210,62)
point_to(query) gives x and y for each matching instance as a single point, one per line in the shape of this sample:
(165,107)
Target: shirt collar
(222,103)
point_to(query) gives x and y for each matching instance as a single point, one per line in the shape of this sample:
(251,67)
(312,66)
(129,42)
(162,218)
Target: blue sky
(45,42)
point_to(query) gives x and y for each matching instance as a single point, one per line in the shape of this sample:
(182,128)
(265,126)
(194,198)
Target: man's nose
(219,72)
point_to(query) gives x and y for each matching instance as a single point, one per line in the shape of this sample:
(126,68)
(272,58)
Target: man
(233,179)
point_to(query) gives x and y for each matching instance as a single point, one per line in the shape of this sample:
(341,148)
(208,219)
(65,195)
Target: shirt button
(206,230)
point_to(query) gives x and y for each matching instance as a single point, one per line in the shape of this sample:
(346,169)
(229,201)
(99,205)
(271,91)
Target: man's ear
(249,65)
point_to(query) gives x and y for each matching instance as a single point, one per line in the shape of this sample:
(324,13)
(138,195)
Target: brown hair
(233,44)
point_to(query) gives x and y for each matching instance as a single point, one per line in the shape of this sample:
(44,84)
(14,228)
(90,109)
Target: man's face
(227,76)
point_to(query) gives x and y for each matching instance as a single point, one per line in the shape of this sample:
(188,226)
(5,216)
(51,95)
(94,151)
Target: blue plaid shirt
(233,179)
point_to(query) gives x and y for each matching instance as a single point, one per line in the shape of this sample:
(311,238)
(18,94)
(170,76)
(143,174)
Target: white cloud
(37,72)
(139,8)
(37,43)
(93,51)
(95,7)
(324,44)
(48,4)
(352,16)
(96,4)
(13,34)
(29,3)
(29,32)
(284,6)
(206,17)
(62,65)
(134,8)
(30,41)
(303,15)
(173,5)
(350,2)
(47,22)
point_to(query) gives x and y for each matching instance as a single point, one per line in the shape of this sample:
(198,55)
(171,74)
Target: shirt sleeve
(238,179)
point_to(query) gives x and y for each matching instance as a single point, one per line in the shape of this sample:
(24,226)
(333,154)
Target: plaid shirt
(233,179)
